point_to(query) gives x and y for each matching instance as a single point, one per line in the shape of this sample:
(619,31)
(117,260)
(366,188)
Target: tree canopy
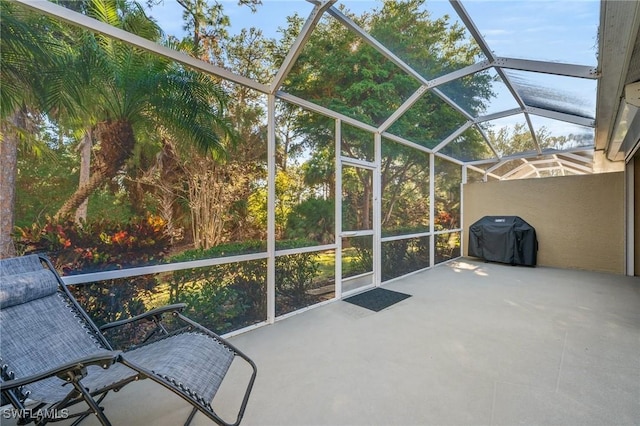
(192,148)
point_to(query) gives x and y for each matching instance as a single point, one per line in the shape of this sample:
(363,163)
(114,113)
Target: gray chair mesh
(41,331)
(179,358)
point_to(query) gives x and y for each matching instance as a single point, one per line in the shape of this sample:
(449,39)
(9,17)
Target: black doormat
(377,299)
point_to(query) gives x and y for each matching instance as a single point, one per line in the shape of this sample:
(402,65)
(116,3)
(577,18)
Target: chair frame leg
(194,411)
(86,414)
(91,403)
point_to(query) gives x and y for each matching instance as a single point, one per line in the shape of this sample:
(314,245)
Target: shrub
(363,260)
(99,246)
(294,277)
(399,257)
(447,246)
(222,297)
(233,295)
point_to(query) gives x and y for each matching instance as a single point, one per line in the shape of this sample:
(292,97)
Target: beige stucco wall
(579,220)
(636,223)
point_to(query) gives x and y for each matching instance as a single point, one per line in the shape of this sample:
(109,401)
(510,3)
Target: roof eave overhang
(618,35)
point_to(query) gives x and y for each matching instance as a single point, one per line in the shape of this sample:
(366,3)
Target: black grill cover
(506,239)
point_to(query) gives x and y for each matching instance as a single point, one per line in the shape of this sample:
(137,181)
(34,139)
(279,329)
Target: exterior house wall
(636,209)
(579,220)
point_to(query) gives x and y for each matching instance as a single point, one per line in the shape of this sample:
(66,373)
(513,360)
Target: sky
(540,29)
(549,30)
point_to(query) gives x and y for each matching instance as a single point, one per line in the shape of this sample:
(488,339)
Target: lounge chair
(53,356)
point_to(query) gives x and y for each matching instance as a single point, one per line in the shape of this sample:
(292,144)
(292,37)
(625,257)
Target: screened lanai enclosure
(255,159)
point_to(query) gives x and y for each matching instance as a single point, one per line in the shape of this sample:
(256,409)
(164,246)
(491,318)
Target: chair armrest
(104,360)
(177,307)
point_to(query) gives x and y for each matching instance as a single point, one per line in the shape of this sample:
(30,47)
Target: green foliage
(338,70)
(127,96)
(447,202)
(55,173)
(294,277)
(363,260)
(288,192)
(257,206)
(357,207)
(112,300)
(100,246)
(400,257)
(294,243)
(97,246)
(405,199)
(223,297)
(405,230)
(319,169)
(508,140)
(517,139)
(215,297)
(313,218)
(28,46)
(470,145)
(221,250)
(229,296)
(357,143)
(447,246)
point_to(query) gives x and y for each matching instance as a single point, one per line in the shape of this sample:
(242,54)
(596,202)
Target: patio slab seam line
(564,349)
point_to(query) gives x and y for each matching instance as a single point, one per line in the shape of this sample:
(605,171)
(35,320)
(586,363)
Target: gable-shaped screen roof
(529,88)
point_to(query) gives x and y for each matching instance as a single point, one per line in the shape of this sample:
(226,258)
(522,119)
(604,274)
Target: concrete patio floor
(476,344)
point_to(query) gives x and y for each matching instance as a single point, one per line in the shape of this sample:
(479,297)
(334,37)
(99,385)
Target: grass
(326,264)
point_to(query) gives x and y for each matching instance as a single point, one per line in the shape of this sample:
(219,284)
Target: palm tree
(129,93)
(118,92)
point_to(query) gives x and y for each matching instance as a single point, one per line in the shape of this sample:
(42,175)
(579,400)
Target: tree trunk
(168,187)
(116,146)
(97,179)
(8,173)
(85,173)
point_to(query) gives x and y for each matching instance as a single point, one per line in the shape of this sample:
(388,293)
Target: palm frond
(191,108)
(25,50)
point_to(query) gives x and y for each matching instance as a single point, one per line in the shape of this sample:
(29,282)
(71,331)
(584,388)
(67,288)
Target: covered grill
(505,239)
